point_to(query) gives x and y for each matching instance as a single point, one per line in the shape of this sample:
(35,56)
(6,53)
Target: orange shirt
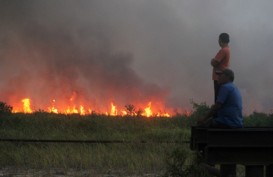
(223,58)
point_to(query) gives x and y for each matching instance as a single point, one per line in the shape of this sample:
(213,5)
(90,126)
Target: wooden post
(254,171)
(228,170)
(269,170)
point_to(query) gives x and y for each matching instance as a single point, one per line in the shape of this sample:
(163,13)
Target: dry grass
(129,158)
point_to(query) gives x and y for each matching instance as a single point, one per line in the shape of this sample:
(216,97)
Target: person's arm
(214,108)
(214,63)
(218,58)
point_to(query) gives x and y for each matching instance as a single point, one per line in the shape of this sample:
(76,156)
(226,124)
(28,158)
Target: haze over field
(138,50)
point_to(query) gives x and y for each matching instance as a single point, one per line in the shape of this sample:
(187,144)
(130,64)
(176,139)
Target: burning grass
(134,157)
(149,110)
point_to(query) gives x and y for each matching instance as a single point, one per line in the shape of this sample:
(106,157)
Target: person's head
(225,76)
(223,39)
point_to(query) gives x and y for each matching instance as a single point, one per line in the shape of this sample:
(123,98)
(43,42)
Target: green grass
(128,158)
(52,126)
(132,157)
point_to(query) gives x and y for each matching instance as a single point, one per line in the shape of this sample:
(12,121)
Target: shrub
(130,109)
(258,119)
(5,108)
(199,110)
(180,163)
(176,163)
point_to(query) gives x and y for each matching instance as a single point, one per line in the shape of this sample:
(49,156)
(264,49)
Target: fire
(73,108)
(26,105)
(148,112)
(52,109)
(82,111)
(114,111)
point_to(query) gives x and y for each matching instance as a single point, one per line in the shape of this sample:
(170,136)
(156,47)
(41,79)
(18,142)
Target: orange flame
(52,109)
(83,109)
(26,105)
(148,112)
(114,111)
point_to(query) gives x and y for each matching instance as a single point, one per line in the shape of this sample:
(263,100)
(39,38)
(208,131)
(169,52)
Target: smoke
(48,55)
(133,51)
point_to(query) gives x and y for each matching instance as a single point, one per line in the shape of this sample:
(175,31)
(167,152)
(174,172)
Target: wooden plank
(254,171)
(269,170)
(239,155)
(247,146)
(240,137)
(198,138)
(228,170)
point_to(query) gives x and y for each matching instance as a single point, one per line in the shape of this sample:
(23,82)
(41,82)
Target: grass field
(161,137)
(163,150)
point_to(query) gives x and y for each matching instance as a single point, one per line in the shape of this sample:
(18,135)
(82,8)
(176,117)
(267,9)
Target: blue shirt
(230,113)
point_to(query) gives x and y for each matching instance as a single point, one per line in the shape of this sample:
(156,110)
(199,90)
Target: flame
(26,105)
(71,107)
(52,109)
(148,112)
(114,111)
(123,113)
(82,111)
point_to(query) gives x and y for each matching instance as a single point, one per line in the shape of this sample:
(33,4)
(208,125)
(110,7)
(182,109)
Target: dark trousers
(216,89)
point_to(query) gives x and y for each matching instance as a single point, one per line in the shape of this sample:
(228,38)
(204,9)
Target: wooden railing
(251,147)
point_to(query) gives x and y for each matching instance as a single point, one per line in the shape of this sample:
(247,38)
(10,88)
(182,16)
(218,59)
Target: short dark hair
(224,37)
(229,73)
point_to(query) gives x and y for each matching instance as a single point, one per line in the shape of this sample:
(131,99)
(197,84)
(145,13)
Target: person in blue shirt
(227,111)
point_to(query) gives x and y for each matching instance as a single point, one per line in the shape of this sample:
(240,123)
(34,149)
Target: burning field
(57,58)
(62,78)
(67,71)
(71,108)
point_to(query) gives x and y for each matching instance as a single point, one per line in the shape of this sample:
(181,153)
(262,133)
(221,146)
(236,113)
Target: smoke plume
(132,52)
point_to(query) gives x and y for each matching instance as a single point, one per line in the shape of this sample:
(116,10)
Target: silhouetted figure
(220,61)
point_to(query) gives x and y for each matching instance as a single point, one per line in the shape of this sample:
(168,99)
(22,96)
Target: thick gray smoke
(126,50)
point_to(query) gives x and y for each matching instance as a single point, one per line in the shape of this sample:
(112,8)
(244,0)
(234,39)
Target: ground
(15,172)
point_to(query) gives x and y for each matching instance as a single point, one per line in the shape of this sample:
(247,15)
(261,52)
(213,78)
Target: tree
(130,109)
(5,108)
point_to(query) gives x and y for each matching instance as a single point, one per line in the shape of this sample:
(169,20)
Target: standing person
(220,61)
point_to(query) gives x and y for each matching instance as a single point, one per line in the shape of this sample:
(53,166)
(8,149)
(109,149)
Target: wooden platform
(250,146)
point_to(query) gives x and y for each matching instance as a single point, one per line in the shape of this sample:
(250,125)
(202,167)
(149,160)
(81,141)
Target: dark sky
(131,49)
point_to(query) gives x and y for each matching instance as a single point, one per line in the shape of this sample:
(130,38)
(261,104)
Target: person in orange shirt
(220,61)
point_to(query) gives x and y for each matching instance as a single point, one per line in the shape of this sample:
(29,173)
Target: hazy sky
(159,47)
